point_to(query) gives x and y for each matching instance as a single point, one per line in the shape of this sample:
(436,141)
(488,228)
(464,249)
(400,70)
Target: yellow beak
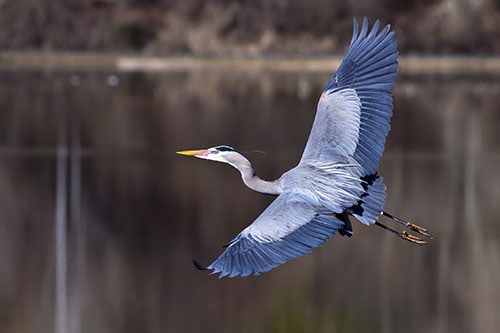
(192,152)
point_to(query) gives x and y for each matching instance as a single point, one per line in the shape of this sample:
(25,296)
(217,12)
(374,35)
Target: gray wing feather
(288,228)
(335,128)
(369,69)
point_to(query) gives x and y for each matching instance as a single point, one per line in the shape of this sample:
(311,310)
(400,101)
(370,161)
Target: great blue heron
(337,174)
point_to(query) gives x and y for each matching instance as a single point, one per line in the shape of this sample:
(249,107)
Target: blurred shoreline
(409,64)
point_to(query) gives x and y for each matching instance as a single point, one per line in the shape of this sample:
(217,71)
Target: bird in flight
(337,175)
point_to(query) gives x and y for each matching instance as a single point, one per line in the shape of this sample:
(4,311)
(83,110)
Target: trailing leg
(404,235)
(421,230)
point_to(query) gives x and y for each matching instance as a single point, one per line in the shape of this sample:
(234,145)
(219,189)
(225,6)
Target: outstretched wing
(287,229)
(354,111)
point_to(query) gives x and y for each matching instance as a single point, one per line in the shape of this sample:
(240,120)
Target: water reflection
(137,213)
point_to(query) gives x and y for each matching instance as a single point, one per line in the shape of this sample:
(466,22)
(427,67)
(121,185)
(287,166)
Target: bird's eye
(215,151)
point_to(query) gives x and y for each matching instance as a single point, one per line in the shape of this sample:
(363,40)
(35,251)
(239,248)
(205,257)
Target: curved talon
(413,239)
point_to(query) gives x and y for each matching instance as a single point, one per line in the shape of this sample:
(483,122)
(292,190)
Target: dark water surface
(99,219)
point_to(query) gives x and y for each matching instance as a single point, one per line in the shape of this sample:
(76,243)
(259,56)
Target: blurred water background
(100,219)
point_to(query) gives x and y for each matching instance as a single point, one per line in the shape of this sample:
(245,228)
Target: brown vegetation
(258,27)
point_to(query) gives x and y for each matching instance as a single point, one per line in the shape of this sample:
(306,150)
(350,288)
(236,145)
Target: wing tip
(199,266)
(365,25)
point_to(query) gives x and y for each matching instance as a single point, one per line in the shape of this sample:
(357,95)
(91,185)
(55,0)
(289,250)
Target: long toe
(413,239)
(421,230)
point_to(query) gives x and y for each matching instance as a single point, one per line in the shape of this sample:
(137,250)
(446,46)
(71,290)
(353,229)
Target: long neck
(253,181)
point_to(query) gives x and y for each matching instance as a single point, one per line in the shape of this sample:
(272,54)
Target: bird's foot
(413,239)
(412,226)
(421,230)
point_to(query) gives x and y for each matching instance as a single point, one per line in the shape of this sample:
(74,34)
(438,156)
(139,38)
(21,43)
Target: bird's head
(223,154)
